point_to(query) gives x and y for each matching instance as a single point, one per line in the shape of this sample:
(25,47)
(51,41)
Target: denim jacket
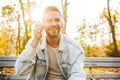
(70,60)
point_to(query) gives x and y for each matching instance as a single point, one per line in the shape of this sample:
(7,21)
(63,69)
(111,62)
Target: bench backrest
(90,62)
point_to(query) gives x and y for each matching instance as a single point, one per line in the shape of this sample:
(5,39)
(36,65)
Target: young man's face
(52,23)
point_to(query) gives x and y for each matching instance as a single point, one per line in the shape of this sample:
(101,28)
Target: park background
(95,24)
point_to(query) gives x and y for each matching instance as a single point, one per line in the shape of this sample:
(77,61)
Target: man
(58,57)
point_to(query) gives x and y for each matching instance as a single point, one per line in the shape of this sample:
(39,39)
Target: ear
(62,22)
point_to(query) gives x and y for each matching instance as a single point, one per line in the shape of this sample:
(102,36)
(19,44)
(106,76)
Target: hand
(37,33)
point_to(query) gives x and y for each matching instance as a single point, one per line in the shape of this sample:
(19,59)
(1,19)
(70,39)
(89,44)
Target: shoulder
(72,43)
(74,49)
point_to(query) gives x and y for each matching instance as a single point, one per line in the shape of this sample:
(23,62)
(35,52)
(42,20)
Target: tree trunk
(25,25)
(112,26)
(18,37)
(64,13)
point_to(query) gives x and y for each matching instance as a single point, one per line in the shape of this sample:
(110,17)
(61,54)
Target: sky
(77,11)
(86,9)
(83,9)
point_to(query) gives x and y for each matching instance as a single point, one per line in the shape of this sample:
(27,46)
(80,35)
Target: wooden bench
(90,63)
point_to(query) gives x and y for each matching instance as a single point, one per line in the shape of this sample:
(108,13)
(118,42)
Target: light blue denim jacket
(70,60)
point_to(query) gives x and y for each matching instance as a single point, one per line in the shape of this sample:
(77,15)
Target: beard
(53,33)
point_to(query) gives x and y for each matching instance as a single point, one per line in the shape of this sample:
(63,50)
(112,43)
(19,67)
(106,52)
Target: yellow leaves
(2,42)
(2,51)
(7,41)
(97,52)
(105,13)
(118,43)
(29,34)
(8,71)
(3,47)
(113,13)
(7,10)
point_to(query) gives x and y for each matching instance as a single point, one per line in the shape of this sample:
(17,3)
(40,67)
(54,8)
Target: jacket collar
(61,47)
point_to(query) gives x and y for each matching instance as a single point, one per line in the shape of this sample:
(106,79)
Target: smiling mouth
(54,31)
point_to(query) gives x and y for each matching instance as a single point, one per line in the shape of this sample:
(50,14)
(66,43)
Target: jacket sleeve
(77,72)
(24,63)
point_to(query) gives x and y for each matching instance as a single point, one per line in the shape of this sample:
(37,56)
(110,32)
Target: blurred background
(95,24)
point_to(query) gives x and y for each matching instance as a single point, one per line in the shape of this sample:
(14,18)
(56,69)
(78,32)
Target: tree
(25,11)
(112,19)
(24,21)
(64,4)
(84,36)
(7,31)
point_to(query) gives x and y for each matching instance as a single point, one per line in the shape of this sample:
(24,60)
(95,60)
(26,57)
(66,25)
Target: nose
(53,22)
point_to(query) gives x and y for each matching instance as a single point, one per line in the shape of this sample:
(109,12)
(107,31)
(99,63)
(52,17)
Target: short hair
(51,8)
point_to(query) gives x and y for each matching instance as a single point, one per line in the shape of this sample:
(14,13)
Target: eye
(57,20)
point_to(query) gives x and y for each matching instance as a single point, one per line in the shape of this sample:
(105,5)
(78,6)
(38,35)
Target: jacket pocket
(41,67)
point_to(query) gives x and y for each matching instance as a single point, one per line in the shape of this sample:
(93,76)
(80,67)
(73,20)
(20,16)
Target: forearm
(24,63)
(34,43)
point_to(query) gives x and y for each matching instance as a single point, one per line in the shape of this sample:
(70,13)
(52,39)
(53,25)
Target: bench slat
(109,59)
(14,77)
(98,65)
(6,64)
(102,76)
(8,58)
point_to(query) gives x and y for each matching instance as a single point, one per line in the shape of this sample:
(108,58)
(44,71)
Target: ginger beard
(53,31)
